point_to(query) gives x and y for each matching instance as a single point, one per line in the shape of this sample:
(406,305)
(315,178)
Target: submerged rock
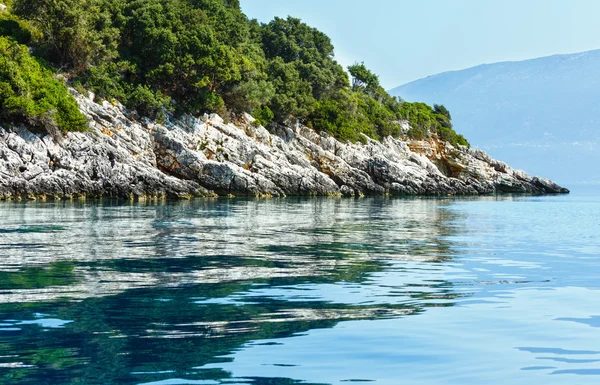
(123,156)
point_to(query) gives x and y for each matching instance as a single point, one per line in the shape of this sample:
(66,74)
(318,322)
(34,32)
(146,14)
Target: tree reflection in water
(153,291)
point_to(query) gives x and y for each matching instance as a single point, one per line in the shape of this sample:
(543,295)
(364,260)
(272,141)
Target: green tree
(196,56)
(440,109)
(77,33)
(363,79)
(302,68)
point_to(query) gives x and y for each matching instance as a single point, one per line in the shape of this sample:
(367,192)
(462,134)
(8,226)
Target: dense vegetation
(28,91)
(195,56)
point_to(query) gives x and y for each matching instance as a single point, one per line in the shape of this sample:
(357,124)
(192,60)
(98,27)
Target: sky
(405,40)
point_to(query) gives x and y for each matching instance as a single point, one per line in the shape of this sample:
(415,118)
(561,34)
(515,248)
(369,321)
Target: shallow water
(494,290)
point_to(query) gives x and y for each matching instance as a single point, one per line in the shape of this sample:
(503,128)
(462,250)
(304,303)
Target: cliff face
(123,156)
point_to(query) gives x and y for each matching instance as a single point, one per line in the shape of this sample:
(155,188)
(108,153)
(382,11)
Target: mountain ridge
(538,113)
(492,64)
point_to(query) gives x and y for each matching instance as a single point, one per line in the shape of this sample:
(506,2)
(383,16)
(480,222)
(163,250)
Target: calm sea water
(491,290)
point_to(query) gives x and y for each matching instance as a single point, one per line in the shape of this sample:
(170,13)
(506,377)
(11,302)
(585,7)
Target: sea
(441,290)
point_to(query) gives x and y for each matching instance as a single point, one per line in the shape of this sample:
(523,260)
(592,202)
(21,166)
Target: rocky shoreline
(123,156)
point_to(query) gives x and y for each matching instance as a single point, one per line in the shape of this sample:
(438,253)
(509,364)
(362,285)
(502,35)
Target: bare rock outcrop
(122,156)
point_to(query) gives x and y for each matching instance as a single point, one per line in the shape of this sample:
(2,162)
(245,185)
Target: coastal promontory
(178,98)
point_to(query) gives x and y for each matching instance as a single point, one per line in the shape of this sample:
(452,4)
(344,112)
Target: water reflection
(257,291)
(124,293)
(112,248)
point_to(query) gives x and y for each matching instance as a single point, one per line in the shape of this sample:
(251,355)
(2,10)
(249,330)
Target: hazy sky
(404,40)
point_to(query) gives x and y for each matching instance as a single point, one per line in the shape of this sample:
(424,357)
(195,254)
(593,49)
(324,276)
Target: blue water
(487,290)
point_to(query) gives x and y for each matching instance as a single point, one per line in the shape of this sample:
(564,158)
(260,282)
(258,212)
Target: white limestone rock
(123,156)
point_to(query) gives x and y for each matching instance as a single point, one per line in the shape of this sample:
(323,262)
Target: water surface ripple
(494,290)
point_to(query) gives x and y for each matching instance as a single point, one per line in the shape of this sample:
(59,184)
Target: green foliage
(106,80)
(425,121)
(461,140)
(29,93)
(196,56)
(12,26)
(420,116)
(263,116)
(293,95)
(250,95)
(76,33)
(341,117)
(440,109)
(301,67)
(148,102)
(363,79)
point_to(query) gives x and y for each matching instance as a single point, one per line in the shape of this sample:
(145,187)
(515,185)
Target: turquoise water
(490,290)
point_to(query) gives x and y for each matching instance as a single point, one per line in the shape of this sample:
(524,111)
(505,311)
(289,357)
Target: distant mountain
(541,115)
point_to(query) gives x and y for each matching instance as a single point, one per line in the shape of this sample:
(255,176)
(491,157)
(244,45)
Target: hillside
(212,104)
(541,114)
(172,57)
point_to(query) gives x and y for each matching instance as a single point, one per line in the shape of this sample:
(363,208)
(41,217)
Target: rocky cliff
(123,156)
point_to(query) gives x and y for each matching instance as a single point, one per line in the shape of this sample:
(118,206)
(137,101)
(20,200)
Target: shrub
(263,116)
(14,27)
(29,93)
(149,103)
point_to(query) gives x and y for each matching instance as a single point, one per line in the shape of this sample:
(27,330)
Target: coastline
(125,157)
